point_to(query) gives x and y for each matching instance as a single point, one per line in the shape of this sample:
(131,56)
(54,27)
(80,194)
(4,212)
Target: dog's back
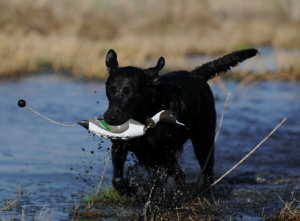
(190,97)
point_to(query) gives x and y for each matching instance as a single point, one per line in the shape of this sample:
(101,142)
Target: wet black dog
(136,93)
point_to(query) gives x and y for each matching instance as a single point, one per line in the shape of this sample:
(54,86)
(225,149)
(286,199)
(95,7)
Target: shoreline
(233,75)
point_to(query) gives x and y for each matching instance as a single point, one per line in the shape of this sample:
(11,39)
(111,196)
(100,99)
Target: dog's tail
(222,65)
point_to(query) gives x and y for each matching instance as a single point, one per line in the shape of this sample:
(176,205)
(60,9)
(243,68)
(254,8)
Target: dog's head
(129,90)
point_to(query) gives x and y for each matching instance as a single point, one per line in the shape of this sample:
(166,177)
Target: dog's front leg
(158,182)
(119,155)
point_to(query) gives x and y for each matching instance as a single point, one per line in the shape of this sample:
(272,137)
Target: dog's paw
(124,187)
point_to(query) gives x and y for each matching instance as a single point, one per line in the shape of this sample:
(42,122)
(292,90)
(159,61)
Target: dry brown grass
(13,200)
(198,210)
(287,214)
(75,35)
(11,205)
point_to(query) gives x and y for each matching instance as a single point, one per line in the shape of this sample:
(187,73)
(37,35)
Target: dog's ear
(160,64)
(111,60)
(153,72)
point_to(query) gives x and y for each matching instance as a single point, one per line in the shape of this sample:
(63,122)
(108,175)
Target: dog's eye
(111,90)
(127,91)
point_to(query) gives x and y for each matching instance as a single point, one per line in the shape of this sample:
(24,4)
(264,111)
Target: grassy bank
(75,35)
(197,209)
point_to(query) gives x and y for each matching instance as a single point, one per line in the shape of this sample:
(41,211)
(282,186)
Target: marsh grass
(74,36)
(106,204)
(289,212)
(199,209)
(11,206)
(12,201)
(109,196)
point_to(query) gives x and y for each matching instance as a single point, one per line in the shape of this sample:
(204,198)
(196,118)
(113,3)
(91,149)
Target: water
(38,155)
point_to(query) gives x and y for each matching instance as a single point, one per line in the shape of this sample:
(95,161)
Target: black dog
(136,93)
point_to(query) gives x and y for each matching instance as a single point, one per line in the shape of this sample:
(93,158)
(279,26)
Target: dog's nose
(112,116)
(111,119)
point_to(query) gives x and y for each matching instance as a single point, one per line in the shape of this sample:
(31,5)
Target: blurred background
(52,54)
(75,35)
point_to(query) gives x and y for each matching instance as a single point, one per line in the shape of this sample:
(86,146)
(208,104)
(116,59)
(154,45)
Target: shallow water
(38,155)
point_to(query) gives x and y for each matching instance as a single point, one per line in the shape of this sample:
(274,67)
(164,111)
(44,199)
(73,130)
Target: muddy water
(59,164)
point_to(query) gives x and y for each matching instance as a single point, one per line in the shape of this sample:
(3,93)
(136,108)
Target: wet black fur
(136,93)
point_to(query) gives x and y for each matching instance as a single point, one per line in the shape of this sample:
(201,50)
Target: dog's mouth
(116,119)
(116,122)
